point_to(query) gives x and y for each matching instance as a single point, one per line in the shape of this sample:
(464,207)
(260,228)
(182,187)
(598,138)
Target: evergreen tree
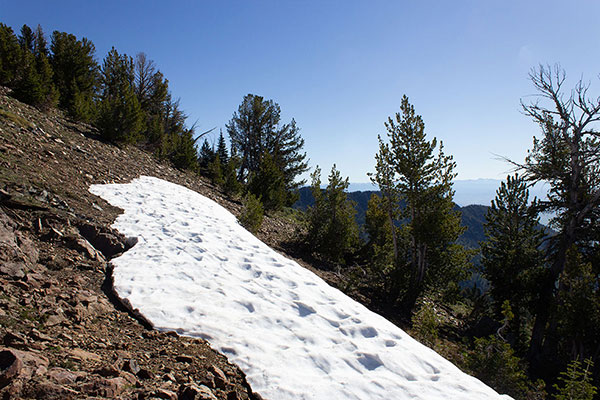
(184,154)
(75,74)
(385,239)
(377,224)
(26,39)
(511,257)
(173,128)
(332,231)
(408,168)
(152,92)
(578,308)
(576,382)
(231,185)
(206,156)
(215,172)
(378,227)
(255,130)
(35,85)
(252,214)
(28,88)
(119,113)
(268,184)
(10,56)
(39,42)
(494,362)
(174,117)
(222,149)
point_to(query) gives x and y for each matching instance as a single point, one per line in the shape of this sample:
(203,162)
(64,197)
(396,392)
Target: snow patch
(197,271)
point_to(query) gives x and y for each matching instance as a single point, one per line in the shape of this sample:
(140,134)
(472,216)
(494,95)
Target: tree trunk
(547,300)
(393,228)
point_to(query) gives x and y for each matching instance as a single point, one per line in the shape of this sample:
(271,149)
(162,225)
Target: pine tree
(268,184)
(377,223)
(576,382)
(172,121)
(26,39)
(255,130)
(39,42)
(378,227)
(252,213)
(222,149)
(578,309)
(231,185)
(119,112)
(512,258)
(184,154)
(28,88)
(206,156)
(75,74)
(332,231)
(35,85)
(49,93)
(384,178)
(10,56)
(152,91)
(408,169)
(215,172)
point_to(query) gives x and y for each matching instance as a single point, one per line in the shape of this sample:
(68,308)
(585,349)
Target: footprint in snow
(371,361)
(303,309)
(249,306)
(368,332)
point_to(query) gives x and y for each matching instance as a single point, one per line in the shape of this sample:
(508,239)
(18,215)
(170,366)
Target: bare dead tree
(145,70)
(567,156)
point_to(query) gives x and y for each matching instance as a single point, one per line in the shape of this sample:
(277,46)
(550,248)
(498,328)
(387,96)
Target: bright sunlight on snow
(195,270)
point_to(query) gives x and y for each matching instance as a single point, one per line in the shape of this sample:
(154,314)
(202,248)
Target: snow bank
(197,271)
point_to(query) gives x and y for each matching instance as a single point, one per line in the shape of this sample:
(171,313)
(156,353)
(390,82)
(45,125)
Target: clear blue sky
(341,67)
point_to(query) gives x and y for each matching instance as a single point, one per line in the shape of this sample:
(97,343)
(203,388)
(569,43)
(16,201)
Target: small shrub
(17,119)
(215,172)
(576,382)
(231,185)
(493,361)
(252,213)
(425,325)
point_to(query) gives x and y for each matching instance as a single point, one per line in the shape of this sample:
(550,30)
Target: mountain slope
(64,333)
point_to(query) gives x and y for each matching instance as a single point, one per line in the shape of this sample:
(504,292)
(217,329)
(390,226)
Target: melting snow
(195,270)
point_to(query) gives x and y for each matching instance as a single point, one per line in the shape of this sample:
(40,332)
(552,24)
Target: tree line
(129,101)
(126,98)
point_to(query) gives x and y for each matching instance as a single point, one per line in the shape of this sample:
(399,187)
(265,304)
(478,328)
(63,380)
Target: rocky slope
(64,334)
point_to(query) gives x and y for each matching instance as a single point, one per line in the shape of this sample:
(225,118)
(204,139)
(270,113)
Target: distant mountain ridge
(467,191)
(472,216)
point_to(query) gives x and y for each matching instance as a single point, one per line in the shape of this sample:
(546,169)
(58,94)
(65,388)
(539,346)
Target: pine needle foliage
(415,170)
(76,74)
(512,258)
(576,382)
(252,213)
(256,130)
(332,230)
(119,111)
(268,184)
